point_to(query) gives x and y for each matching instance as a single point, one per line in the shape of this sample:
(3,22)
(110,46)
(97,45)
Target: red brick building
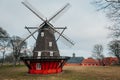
(110,61)
(105,62)
(80,61)
(90,62)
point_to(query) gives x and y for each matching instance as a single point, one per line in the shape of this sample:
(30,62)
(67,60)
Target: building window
(50,44)
(51,53)
(42,34)
(39,53)
(38,66)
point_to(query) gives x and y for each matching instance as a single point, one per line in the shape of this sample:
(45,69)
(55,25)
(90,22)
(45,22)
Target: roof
(75,60)
(90,61)
(110,60)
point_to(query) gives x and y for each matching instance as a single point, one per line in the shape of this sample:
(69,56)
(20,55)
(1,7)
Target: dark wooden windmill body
(46,43)
(46,58)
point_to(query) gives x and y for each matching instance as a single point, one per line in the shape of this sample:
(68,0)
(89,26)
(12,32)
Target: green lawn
(69,73)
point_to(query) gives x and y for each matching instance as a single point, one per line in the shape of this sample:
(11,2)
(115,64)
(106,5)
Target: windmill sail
(59,13)
(67,41)
(31,8)
(54,17)
(32,33)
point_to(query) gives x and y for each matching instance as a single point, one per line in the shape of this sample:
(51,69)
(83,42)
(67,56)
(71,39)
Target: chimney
(73,55)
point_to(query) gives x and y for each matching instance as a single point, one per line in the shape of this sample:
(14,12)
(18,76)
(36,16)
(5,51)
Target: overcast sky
(86,26)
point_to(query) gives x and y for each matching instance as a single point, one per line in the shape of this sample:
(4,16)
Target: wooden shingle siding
(46,43)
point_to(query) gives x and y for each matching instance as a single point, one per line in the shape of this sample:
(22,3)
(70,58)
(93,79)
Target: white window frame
(38,66)
(39,53)
(51,53)
(50,44)
(42,34)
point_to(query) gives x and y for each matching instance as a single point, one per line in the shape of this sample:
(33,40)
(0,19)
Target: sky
(85,25)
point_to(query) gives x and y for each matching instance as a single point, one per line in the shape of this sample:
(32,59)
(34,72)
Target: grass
(69,73)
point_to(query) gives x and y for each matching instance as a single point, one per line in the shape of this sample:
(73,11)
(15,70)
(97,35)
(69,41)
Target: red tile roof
(90,61)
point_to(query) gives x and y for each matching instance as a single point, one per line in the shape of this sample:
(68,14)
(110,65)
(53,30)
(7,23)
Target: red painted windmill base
(44,65)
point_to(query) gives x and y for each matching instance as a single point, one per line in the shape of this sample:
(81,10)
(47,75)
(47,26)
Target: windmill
(46,57)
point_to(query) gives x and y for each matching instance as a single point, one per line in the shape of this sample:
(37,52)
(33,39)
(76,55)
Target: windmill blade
(32,33)
(68,40)
(31,8)
(60,33)
(64,41)
(59,13)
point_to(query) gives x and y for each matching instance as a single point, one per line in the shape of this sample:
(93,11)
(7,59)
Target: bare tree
(98,53)
(3,47)
(9,57)
(15,40)
(11,42)
(3,33)
(114,47)
(112,10)
(3,42)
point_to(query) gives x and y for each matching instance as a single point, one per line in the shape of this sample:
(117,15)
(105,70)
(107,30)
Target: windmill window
(42,34)
(38,66)
(39,53)
(50,44)
(51,53)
